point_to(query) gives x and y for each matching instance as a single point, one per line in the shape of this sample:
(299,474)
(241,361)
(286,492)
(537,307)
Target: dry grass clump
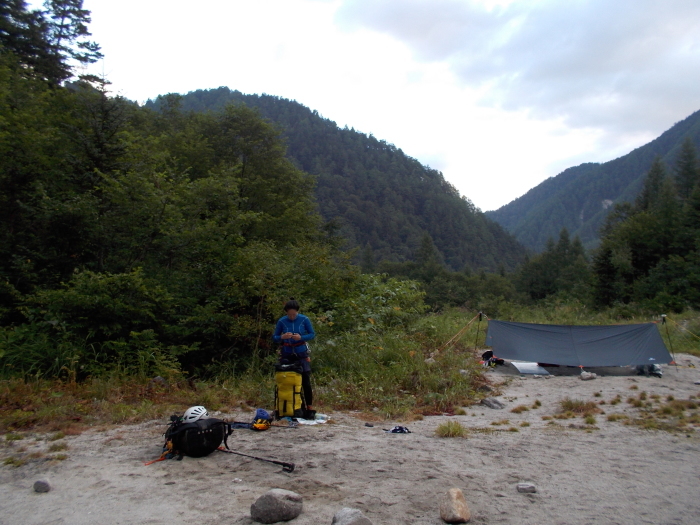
(500,422)
(450,429)
(14,461)
(519,409)
(56,447)
(537,404)
(675,415)
(579,407)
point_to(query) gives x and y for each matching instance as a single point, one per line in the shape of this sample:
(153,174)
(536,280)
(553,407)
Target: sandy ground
(611,474)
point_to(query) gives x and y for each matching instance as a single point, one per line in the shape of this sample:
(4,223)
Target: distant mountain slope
(579,197)
(380,196)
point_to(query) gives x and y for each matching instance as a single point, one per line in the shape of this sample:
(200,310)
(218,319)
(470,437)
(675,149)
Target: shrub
(450,429)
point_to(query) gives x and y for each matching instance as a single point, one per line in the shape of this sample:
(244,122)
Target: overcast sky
(496,94)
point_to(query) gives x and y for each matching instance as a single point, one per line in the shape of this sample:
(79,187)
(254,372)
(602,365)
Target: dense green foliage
(380,198)
(143,242)
(580,198)
(562,270)
(650,250)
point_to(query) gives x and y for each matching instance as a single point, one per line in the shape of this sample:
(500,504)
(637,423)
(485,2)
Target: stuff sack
(197,439)
(262,420)
(289,401)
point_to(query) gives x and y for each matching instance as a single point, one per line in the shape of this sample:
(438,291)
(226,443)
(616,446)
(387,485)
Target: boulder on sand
(454,508)
(349,516)
(276,505)
(492,402)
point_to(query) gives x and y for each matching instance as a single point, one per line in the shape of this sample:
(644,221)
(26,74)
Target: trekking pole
(287,467)
(668,336)
(477,331)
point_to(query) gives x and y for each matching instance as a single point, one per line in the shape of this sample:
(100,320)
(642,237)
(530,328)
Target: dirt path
(614,473)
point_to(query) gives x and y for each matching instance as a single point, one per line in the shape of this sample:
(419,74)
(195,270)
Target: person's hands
(287,335)
(296,337)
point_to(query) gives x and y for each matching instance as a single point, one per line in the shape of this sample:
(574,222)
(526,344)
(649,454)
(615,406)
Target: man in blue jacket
(293,331)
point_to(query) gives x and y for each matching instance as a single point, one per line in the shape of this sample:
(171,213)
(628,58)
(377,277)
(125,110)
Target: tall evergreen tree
(687,169)
(652,186)
(47,43)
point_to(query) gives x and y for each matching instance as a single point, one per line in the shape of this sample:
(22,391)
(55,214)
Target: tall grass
(390,372)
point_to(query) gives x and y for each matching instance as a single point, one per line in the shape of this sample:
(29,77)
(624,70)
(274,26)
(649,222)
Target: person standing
(293,330)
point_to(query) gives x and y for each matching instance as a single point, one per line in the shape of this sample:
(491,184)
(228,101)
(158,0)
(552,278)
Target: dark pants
(306,387)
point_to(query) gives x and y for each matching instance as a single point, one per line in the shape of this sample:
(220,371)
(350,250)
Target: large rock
(348,516)
(42,485)
(276,505)
(454,508)
(492,402)
(526,488)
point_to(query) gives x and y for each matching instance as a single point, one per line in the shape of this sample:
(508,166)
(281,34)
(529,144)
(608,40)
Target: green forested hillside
(383,201)
(579,198)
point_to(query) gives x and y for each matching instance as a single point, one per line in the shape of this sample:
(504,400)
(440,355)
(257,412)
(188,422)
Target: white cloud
(498,94)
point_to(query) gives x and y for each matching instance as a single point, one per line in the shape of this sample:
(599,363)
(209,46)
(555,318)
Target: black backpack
(197,439)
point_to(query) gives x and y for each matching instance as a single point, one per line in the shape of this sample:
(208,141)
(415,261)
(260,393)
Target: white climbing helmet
(192,414)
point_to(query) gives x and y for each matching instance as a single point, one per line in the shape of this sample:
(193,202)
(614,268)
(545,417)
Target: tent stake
(477,331)
(668,336)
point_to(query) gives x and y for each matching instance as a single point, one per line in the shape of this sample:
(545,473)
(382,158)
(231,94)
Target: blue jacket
(302,326)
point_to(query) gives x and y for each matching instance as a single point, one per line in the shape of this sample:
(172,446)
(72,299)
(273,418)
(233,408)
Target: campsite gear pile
(649,370)
(397,430)
(197,435)
(488,360)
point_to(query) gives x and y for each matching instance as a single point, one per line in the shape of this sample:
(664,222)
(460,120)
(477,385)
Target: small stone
(430,361)
(276,505)
(492,402)
(454,508)
(484,388)
(370,425)
(42,485)
(587,376)
(464,372)
(527,488)
(349,516)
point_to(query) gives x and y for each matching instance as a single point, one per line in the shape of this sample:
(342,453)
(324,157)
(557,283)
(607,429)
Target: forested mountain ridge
(580,197)
(383,200)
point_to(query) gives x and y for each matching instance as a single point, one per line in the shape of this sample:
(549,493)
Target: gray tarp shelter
(618,345)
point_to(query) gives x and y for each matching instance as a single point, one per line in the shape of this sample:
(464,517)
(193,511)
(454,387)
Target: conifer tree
(652,185)
(687,169)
